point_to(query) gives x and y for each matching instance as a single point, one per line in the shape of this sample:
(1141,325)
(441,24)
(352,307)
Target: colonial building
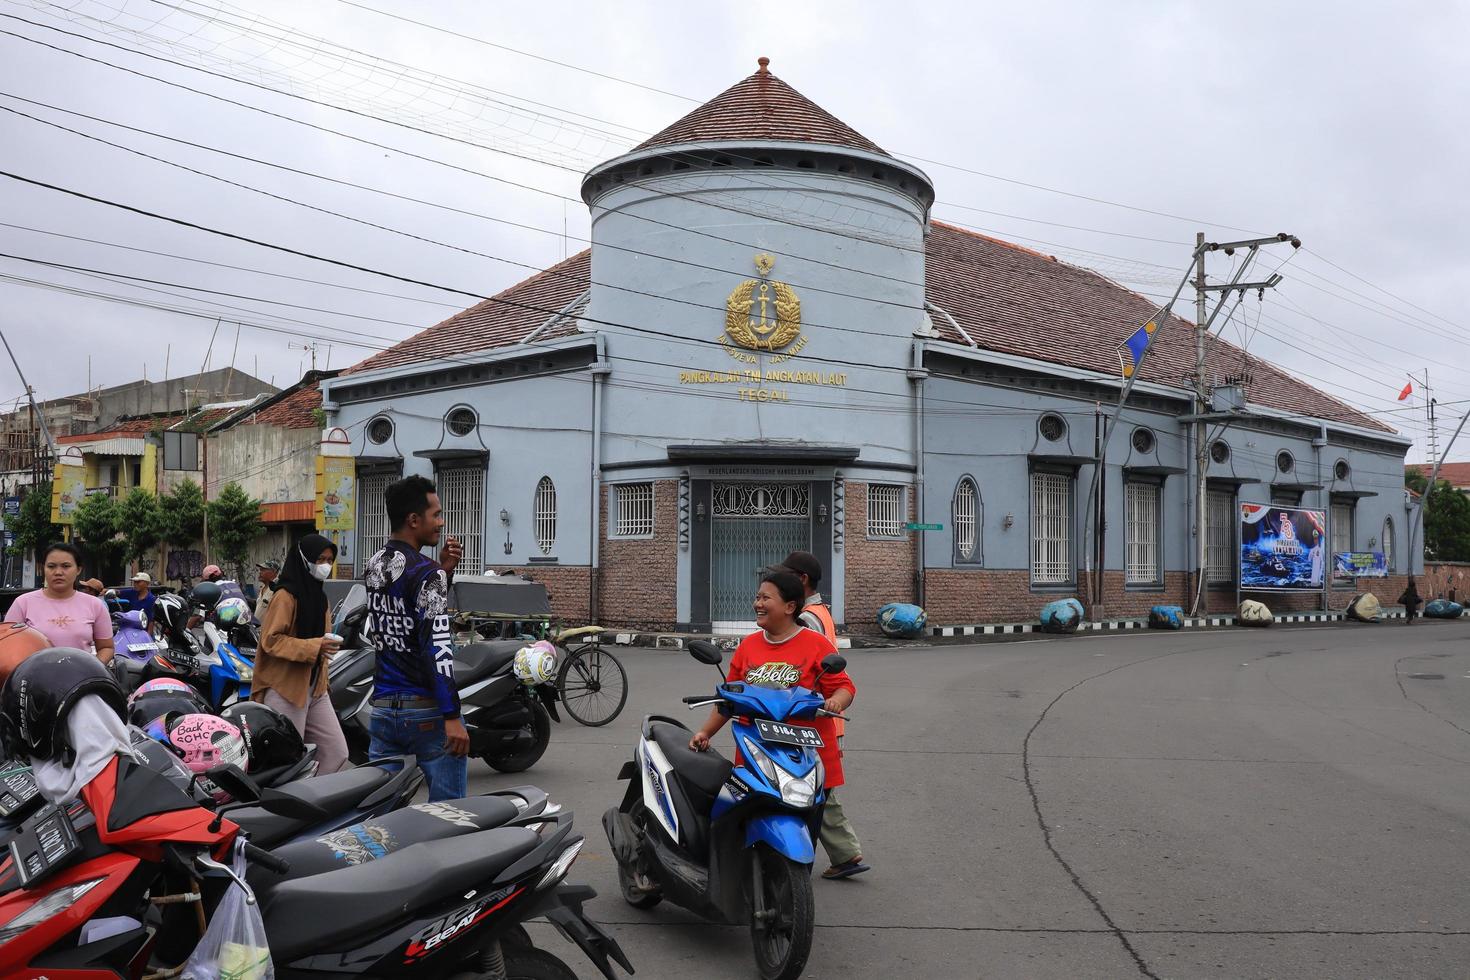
(771,345)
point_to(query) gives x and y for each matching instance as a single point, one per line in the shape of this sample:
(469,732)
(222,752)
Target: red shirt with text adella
(792,663)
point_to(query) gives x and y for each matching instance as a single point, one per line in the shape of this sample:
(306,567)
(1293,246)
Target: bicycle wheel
(593,685)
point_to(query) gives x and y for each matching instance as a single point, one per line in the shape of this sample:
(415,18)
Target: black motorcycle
(509,723)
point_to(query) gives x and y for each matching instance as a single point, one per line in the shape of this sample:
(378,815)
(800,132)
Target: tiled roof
(502,320)
(1008,299)
(292,412)
(762,107)
(124,428)
(1458,474)
(1016,301)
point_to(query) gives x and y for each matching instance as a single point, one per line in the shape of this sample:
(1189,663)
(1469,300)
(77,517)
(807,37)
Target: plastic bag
(234,946)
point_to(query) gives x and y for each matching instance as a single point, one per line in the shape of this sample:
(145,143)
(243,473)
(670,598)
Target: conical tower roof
(762,108)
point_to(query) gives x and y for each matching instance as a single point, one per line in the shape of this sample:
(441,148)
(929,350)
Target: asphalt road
(1283,803)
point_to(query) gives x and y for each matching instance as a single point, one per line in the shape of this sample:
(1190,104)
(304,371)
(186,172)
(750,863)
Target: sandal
(846,869)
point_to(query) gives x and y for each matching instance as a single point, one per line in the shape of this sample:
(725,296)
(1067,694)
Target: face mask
(320,572)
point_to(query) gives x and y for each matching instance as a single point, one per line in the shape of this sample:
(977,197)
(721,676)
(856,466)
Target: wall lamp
(821,513)
(699,511)
(1008,522)
(505,517)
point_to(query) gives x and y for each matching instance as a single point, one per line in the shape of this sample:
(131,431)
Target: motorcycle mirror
(705,652)
(232,779)
(834,663)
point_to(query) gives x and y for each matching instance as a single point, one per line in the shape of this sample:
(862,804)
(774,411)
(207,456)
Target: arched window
(965,514)
(545,515)
(1388,543)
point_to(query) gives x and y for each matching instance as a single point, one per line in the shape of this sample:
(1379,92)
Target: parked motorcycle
(731,843)
(133,646)
(508,720)
(197,650)
(132,853)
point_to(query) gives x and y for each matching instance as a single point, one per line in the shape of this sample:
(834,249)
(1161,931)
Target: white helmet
(535,664)
(233,610)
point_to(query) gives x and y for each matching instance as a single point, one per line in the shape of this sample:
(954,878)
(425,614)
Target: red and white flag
(1408,390)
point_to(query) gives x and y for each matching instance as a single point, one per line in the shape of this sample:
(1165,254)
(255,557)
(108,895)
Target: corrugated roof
(762,107)
(504,319)
(1008,298)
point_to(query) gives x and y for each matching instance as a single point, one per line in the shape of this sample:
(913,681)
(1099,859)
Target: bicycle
(590,680)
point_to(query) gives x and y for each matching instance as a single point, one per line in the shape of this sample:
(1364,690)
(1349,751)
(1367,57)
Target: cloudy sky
(1104,134)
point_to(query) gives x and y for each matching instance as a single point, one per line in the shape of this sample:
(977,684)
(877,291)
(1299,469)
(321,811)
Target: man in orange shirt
(838,836)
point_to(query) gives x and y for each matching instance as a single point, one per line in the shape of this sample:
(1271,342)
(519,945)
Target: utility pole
(1203,321)
(1429,406)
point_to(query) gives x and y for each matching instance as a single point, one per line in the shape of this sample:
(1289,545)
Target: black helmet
(39,696)
(171,612)
(162,696)
(207,594)
(270,738)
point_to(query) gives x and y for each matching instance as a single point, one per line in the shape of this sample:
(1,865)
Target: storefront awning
(455,455)
(767,452)
(379,464)
(289,512)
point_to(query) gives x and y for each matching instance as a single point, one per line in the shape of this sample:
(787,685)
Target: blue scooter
(731,843)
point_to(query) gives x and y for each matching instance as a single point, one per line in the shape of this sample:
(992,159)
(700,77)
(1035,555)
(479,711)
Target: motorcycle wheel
(783,940)
(523,759)
(530,963)
(635,897)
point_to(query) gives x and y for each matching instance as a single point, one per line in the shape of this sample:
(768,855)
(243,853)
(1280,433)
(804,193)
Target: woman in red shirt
(786,654)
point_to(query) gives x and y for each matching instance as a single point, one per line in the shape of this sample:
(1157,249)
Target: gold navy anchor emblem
(763,314)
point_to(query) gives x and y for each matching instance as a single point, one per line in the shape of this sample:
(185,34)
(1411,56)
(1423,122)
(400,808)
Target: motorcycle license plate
(17,789)
(783,734)
(141,647)
(44,844)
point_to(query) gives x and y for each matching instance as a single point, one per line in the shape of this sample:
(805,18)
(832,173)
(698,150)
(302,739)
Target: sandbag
(1365,608)
(1443,609)
(902,620)
(1166,618)
(1061,616)
(1253,613)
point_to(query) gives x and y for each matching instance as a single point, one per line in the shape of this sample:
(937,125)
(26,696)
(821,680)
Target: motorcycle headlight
(242,668)
(798,791)
(56,902)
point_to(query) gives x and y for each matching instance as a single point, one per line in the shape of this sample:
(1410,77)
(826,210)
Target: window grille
(885,510)
(1220,451)
(1141,503)
(1220,556)
(965,497)
(372,517)
(1388,543)
(545,515)
(634,510)
(1342,531)
(1051,528)
(462,495)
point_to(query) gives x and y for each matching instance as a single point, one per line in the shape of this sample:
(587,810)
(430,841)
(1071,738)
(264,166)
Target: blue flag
(1135,346)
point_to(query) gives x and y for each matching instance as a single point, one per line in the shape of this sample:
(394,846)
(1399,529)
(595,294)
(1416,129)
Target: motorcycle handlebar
(266,860)
(694,699)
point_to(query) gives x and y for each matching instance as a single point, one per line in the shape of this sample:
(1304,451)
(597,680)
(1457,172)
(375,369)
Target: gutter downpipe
(917,374)
(1324,501)
(600,370)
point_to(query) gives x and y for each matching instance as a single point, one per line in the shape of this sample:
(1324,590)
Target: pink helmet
(211,572)
(206,741)
(158,684)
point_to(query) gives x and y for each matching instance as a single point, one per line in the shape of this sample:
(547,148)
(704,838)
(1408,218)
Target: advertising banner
(1360,564)
(336,493)
(1281,548)
(68,487)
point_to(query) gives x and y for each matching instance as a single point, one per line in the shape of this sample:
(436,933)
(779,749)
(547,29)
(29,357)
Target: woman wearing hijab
(291,660)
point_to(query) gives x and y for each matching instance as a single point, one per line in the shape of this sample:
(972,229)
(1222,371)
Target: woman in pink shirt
(67,617)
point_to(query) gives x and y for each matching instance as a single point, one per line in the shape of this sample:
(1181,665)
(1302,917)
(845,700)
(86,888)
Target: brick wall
(961,596)
(568,586)
(637,578)
(878,571)
(1440,578)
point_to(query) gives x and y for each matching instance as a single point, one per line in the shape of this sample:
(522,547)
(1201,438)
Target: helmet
(232,610)
(17,642)
(171,612)
(162,696)
(212,573)
(271,739)
(207,594)
(39,696)
(535,664)
(205,741)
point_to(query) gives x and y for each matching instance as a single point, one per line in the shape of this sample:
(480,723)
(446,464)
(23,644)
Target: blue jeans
(420,732)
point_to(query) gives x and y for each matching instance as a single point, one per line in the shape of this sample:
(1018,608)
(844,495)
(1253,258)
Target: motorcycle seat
(477,661)
(378,837)
(334,793)
(345,909)
(705,770)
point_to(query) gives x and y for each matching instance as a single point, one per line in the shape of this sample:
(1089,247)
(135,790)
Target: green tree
(32,527)
(138,519)
(234,522)
(181,515)
(1446,531)
(95,525)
